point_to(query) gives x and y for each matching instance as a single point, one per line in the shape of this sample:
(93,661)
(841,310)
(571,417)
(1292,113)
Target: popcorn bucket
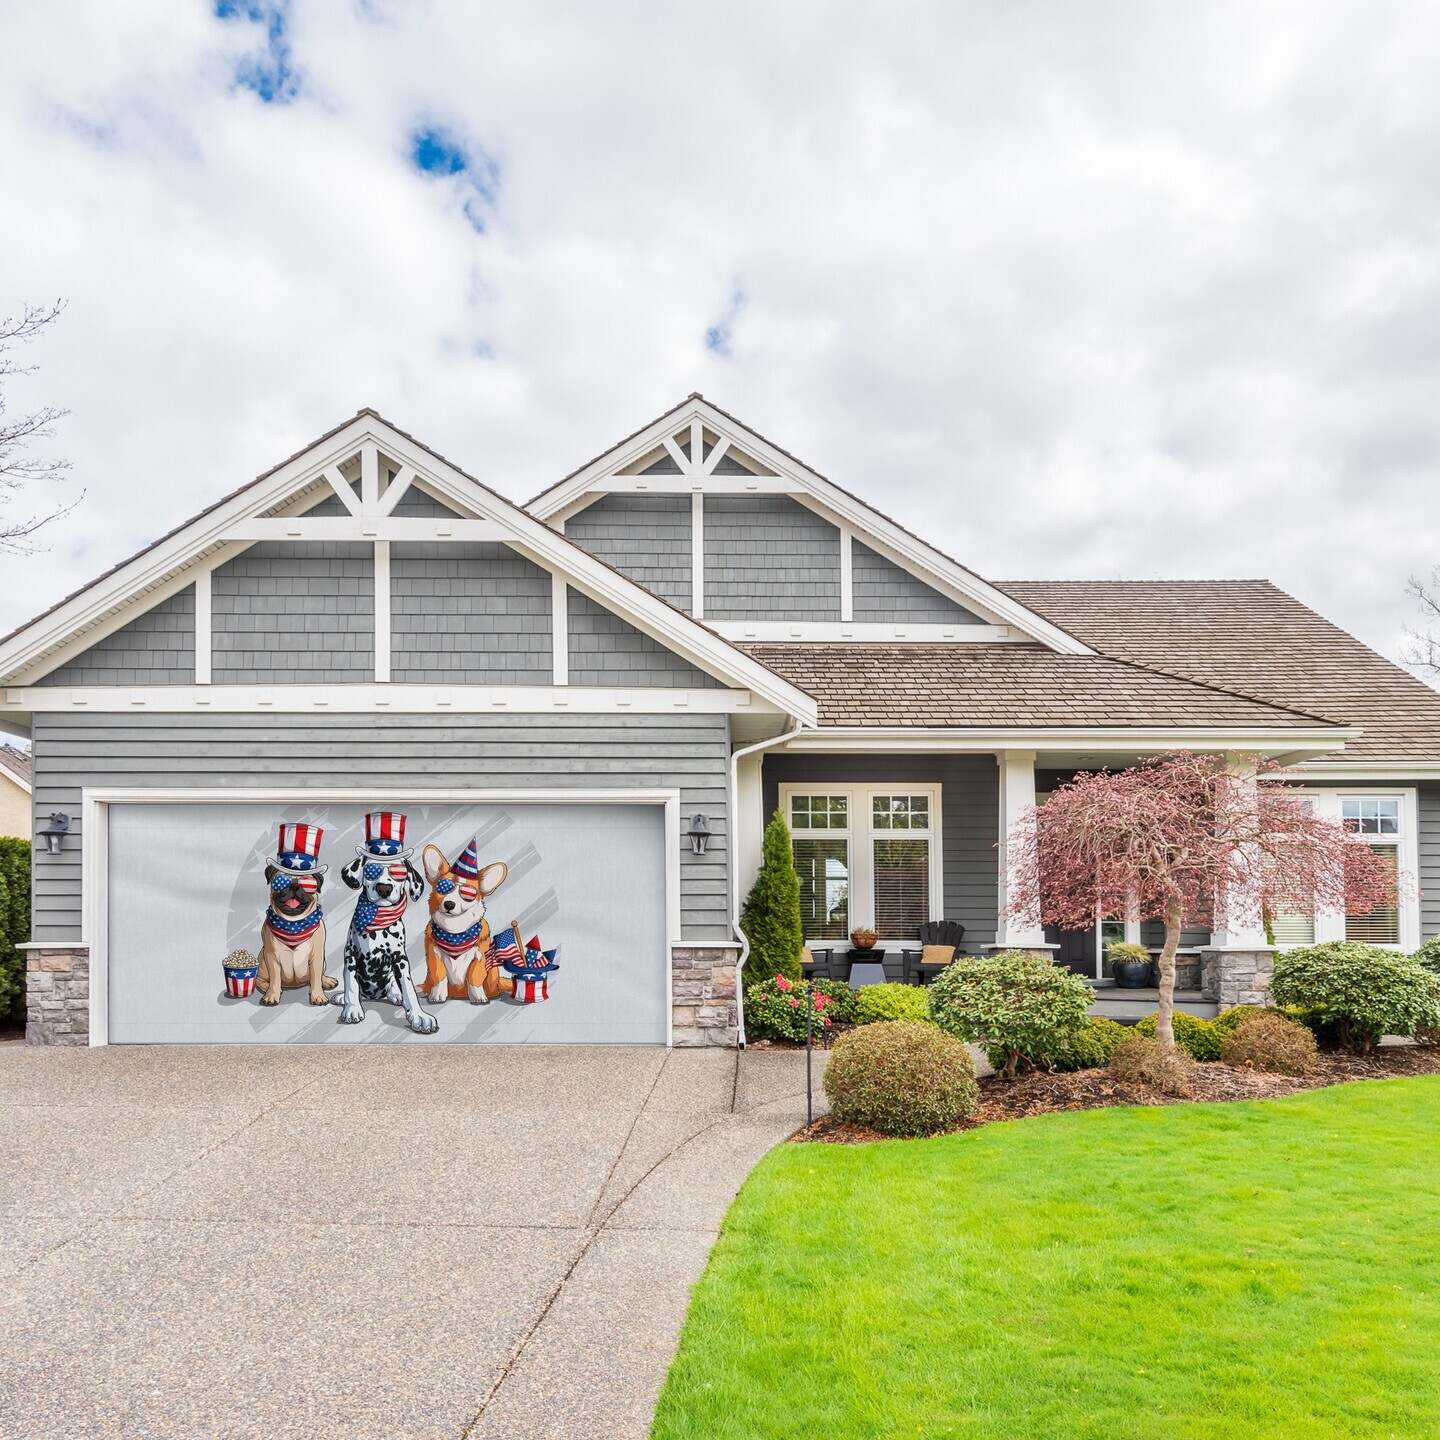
(240,970)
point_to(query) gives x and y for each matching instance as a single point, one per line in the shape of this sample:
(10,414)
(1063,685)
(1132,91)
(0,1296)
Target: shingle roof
(1251,636)
(16,761)
(974,685)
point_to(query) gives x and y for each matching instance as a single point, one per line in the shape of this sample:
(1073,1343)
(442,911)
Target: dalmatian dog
(376,966)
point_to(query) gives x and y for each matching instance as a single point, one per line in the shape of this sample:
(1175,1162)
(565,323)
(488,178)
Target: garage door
(192,884)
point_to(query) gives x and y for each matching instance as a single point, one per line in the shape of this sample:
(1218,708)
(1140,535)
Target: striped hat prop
(384,836)
(298,850)
(466,872)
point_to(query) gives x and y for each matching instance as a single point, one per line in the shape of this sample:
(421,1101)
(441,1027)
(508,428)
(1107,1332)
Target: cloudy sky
(1075,290)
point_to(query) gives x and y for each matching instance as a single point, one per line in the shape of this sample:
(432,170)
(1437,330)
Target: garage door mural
(334,923)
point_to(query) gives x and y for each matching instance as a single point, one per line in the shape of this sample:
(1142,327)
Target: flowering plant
(775,1009)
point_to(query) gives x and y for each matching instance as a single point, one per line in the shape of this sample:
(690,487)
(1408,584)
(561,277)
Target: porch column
(1017,794)
(748,825)
(1235,967)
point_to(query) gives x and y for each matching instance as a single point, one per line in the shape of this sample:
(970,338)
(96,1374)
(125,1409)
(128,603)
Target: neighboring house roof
(984,686)
(1251,636)
(16,764)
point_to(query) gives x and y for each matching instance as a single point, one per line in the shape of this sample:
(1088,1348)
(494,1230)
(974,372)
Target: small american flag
(505,946)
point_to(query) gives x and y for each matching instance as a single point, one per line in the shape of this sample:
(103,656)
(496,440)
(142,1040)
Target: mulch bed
(1042,1093)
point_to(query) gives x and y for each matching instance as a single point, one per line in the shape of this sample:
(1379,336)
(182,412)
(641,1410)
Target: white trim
(860,836)
(697,555)
(560,629)
(880,532)
(529,536)
(395,698)
(831,631)
(395,491)
(890,739)
(847,578)
(94,855)
(369,477)
(423,529)
(1017,794)
(682,484)
(344,492)
(1362,772)
(204,627)
(382,612)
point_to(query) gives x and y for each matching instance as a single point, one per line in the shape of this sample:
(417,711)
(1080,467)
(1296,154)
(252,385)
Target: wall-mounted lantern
(699,833)
(55,831)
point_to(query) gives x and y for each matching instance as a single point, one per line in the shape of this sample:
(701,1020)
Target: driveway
(297,1241)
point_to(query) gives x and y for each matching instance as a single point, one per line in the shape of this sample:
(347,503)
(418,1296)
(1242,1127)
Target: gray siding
(156,648)
(606,650)
(295,614)
(882,591)
(302,752)
(645,537)
(767,558)
(418,504)
(469,614)
(969,824)
(1429,851)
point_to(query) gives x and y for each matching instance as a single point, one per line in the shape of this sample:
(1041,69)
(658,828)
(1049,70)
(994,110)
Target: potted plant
(1129,964)
(863,938)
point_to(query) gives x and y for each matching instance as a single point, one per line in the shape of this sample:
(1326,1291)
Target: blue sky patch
(719,335)
(437,152)
(271,75)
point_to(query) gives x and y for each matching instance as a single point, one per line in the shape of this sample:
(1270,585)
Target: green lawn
(1270,1268)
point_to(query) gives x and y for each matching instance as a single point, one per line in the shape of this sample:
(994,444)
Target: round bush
(1197,1037)
(1357,992)
(891,1002)
(775,1008)
(1090,1047)
(901,1078)
(1267,1040)
(1428,954)
(1139,1060)
(1022,1008)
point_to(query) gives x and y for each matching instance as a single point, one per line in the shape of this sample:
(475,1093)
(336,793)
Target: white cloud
(1095,290)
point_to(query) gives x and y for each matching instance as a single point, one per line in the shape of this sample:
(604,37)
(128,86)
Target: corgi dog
(458,935)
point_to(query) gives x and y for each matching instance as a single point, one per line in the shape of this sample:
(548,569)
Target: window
(1386,822)
(866,855)
(822,861)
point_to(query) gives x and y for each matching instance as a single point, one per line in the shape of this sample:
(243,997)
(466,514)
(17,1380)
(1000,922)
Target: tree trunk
(1165,981)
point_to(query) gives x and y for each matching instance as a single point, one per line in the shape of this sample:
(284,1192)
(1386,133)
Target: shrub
(1139,1060)
(1090,1047)
(1197,1037)
(1018,1005)
(1118,950)
(14,925)
(775,1008)
(1359,991)
(901,1078)
(891,1002)
(771,916)
(1227,1020)
(1428,954)
(1267,1040)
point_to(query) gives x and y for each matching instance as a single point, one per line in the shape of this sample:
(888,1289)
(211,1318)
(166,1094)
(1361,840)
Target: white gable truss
(369,465)
(697,437)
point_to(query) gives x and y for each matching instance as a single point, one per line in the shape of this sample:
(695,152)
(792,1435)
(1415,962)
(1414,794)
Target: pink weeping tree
(1176,838)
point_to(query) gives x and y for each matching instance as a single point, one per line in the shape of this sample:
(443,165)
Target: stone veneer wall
(57,996)
(702,996)
(1236,977)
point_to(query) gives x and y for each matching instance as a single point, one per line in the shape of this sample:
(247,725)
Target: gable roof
(164,566)
(16,765)
(986,686)
(1251,636)
(877,530)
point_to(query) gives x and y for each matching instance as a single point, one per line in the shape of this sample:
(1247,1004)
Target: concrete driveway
(299,1241)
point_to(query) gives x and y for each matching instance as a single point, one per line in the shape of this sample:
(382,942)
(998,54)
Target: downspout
(735,760)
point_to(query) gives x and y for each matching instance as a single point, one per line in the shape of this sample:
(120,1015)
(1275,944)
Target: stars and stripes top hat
(384,836)
(531,961)
(298,850)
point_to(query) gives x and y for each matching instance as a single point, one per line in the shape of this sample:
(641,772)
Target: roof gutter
(735,759)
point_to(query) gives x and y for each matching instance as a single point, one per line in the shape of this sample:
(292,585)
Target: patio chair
(934,932)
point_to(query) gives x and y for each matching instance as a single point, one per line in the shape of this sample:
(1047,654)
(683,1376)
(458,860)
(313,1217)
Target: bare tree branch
(1422,646)
(18,466)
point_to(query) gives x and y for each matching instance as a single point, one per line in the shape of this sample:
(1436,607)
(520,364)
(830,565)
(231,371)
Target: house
(14,791)
(607,691)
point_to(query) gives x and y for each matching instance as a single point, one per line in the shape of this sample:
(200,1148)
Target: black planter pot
(1132,974)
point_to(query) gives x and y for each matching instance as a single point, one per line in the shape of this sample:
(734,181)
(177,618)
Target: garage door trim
(95,856)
